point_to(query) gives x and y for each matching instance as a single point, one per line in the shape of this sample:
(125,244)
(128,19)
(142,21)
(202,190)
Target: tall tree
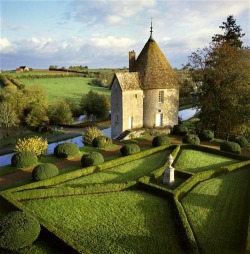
(223,68)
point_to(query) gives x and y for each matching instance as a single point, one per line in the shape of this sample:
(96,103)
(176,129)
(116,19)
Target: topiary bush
(231,147)
(160,140)
(37,145)
(206,135)
(102,142)
(191,139)
(66,150)
(91,159)
(44,171)
(180,129)
(90,134)
(18,230)
(242,141)
(129,149)
(24,159)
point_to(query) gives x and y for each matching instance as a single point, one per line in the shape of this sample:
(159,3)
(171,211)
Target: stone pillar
(168,177)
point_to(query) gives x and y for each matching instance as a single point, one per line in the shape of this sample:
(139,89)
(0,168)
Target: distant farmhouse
(148,95)
(22,69)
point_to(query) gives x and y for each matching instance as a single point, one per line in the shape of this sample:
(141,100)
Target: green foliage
(180,129)
(44,171)
(242,141)
(60,113)
(129,149)
(206,135)
(91,133)
(95,104)
(38,145)
(102,142)
(18,230)
(66,150)
(23,159)
(231,147)
(191,139)
(160,140)
(91,159)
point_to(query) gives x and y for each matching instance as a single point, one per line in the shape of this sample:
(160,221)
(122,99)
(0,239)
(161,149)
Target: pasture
(121,206)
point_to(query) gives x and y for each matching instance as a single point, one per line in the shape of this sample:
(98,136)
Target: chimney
(131,60)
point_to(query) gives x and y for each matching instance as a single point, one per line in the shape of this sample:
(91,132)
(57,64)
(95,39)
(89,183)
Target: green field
(57,88)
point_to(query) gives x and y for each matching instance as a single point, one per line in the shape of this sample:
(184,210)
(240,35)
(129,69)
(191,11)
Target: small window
(136,95)
(161,96)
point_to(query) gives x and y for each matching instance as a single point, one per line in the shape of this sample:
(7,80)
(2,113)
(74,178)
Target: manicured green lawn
(121,222)
(125,172)
(73,88)
(218,212)
(196,161)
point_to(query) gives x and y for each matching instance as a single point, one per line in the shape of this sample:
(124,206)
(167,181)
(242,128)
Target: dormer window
(161,96)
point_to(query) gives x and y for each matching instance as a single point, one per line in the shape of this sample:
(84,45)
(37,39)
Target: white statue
(168,177)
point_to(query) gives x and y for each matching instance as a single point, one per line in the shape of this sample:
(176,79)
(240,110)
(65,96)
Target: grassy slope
(196,161)
(65,87)
(142,224)
(217,210)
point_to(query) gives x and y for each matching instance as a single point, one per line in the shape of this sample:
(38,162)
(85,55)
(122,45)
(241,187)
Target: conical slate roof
(154,69)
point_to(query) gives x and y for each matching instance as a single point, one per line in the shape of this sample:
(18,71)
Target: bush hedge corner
(18,230)
(44,171)
(66,150)
(23,159)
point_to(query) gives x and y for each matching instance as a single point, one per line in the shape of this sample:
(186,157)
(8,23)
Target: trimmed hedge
(18,230)
(91,159)
(206,135)
(66,150)
(102,142)
(24,159)
(44,171)
(191,139)
(231,147)
(242,141)
(160,140)
(129,149)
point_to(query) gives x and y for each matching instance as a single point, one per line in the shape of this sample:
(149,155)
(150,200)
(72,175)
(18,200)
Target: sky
(99,33)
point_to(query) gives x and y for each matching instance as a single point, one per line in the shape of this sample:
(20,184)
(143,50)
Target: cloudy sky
(99,33)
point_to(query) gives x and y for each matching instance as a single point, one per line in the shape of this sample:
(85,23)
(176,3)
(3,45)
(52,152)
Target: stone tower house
(148,95)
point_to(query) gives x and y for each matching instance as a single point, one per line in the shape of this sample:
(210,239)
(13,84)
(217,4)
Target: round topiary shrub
(129,149)
(206,135)
(242,141)
(44,171)
(231,147)
(102,142)
(191,139)
(18,230)
(24,159)
(66,150)
(160,140)
(180,129)
(91,159)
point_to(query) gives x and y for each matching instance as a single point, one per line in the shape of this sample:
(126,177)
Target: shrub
(23,159)
(180,129)
(90,134)
(66,150)
(191,139)
(231,147)
(18,230)
(44,171)
(37,145)
(160,140)
(242,141)
(129,149)
(206,135)
(91,159)
(102,142)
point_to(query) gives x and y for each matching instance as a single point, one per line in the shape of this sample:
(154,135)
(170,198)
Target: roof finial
(151,29)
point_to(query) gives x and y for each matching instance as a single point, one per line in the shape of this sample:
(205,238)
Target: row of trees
(223,71)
